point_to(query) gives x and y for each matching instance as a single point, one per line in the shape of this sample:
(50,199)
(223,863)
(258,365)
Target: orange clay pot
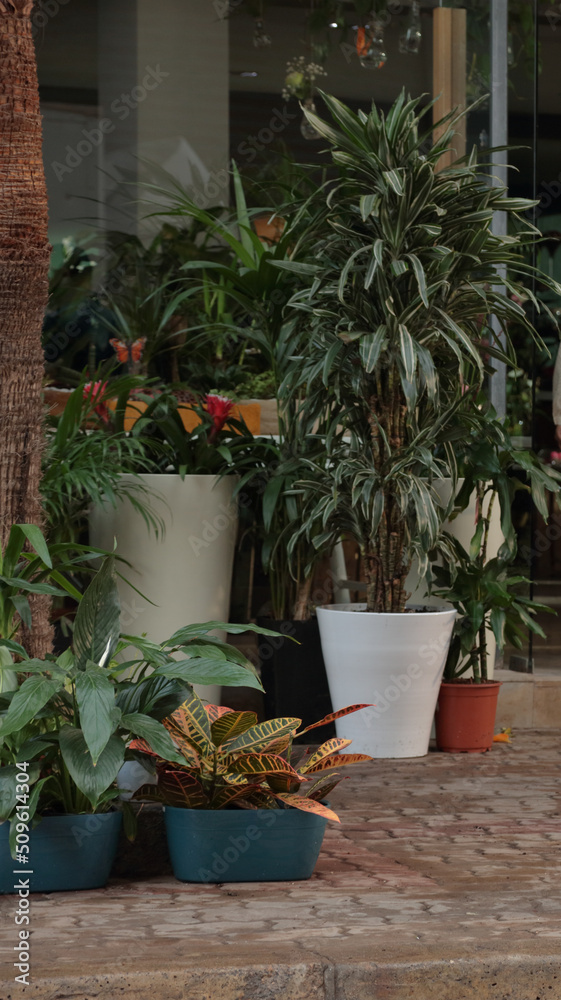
(465,716)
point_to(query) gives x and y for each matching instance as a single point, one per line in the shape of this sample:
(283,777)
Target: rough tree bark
(24,267)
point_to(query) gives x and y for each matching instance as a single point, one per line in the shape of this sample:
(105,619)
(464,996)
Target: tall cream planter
(186,572)
(393,662)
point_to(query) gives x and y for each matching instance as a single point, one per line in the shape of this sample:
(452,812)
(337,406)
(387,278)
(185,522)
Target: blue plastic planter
(65,852)
(243,845)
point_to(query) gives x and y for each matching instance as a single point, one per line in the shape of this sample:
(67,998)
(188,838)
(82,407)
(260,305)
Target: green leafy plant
(86,452)
(393,332)
(28,566)
(72,716)
(229,758)
(206,449)
(253,292)
(489,593)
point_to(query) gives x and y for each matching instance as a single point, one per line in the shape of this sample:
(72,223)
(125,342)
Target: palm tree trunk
(24,267)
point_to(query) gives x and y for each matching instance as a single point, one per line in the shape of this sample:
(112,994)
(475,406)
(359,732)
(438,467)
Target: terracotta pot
(465,716)
(269,227)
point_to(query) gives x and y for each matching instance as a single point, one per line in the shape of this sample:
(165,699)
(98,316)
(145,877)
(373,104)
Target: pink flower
(219,408)
(94,393)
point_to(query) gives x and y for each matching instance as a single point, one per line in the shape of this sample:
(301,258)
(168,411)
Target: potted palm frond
(405,271)
(243,804)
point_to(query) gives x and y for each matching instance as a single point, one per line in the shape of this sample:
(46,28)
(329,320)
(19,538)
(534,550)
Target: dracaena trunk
(384,554)
(24,268)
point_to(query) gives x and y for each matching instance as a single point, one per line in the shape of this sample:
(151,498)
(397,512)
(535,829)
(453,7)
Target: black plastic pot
(293,675)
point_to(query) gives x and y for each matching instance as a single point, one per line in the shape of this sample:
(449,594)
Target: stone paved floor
(443,881)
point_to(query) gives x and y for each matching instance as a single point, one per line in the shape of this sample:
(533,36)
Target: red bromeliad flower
(94,393)
(219,408)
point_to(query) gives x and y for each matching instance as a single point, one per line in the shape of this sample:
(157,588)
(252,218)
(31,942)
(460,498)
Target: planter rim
(248,812)
(351,609)
(465,685)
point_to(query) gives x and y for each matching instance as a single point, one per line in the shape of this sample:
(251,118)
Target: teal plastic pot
(243,845)
(65,852)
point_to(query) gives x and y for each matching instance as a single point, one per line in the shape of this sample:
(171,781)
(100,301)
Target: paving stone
(443,881)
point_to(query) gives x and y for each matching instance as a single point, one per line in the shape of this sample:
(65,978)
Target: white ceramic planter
(187,571)
(394,662)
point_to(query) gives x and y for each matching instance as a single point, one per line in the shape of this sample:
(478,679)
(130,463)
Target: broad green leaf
(420,276)
(155,734)
(95,695)
(230,725)
(475,543)
(31,697)
(35,538)
(8,796)
(92,779)
(97,624)
(371,346)
(367,203)
(262,764)
(261,736)
(395,180)
(210,671)
(408,352)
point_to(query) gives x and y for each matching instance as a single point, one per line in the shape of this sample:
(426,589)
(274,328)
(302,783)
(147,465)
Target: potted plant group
(243,804)
(253,293)
(490,594)
(393,338)
(66,725)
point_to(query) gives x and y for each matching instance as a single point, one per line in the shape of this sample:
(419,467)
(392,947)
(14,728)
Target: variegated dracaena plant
(225,757)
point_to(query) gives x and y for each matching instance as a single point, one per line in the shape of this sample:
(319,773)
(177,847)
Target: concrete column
(164,83)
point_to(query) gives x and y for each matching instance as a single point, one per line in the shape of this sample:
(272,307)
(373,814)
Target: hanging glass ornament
(370,45)
(307,130)
(260,37)
(410,40)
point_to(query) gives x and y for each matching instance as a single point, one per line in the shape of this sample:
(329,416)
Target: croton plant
(229,758)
